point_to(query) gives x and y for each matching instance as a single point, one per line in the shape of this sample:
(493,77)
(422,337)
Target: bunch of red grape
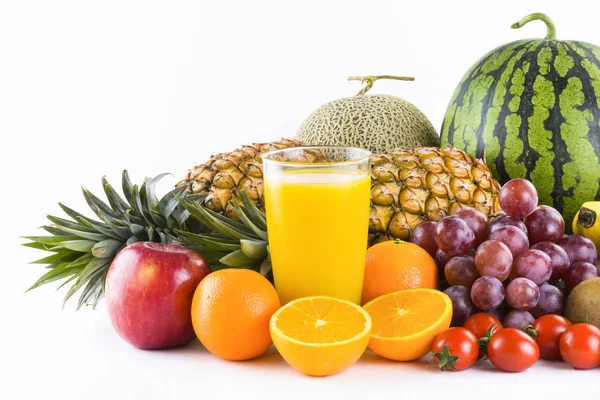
(517,266)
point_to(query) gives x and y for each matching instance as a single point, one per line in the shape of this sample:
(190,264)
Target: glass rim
(366,156)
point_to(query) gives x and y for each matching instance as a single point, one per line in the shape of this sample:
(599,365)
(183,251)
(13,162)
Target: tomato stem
(483,342)
(447,360)
(530,330)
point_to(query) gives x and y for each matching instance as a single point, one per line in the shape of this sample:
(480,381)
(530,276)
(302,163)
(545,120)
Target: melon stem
(369,79)
(551,35)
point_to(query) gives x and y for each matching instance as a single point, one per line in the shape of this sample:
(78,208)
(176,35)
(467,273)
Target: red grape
(579,272)
(518,319)
(534,265)
(552,301)
(518,198)
(499,312)
(441,259)
(424,237)
(493,258)
(545,224)
(462,307)
(487,293)
(579,248)
(559,257)
(460,270)
(522,294)
(476,220)
(454,237)
(513,238)
(506,220)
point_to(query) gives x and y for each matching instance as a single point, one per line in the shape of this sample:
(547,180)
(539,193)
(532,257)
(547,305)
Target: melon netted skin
(378,123)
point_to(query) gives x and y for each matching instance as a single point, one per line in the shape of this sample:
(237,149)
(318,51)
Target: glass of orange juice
(317,202)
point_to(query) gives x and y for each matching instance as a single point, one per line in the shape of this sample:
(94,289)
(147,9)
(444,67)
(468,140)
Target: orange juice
(318,221)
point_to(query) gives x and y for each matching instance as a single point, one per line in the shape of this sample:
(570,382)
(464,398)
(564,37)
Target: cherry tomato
(548,329)
(455,349)
(512,350)
(479,324)
(580,346)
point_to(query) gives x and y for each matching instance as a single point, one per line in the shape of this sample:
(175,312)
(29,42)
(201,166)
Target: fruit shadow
(196,350)
(485,366)
(370,358)
(271,358)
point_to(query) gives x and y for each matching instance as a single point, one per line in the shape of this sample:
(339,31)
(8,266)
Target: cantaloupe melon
(379,123)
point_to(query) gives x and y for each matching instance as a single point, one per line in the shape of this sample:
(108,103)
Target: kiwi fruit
(583,303)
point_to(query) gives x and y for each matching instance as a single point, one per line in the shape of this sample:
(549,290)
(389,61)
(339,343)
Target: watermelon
(531,108)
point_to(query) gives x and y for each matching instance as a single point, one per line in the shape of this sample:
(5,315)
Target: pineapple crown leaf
(116,229)
(69,224)
(58,271)
(61,255)
(83,248)
(55,230)
(98,206)
(138,207)
(253,212)
(238,259)
(114,199)
(248,221)
(212,242)
(127,187)
(257,250)
(168,203)
(218,222)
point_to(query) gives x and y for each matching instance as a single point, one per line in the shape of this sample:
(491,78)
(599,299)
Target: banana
(587,222)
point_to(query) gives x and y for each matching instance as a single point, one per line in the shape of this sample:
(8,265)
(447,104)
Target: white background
(89,88)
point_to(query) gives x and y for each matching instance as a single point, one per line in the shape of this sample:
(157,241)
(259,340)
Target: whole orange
(397,265)
(231,310)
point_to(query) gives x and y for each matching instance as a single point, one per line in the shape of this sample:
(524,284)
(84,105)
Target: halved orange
(320,335)
(406,322)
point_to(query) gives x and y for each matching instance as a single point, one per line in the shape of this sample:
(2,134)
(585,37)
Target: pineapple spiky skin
(225,175)
(408,186)
(426,184)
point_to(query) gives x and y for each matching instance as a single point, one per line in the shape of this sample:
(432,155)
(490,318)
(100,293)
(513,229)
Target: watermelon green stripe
(459,100)
(532,108)
(541,155)
(532,111)
(563,62)
(501,77)
(591,89)
(553,192)
(510,118)
(588,113)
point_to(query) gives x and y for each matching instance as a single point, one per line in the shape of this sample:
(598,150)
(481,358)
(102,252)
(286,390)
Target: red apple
(149,291)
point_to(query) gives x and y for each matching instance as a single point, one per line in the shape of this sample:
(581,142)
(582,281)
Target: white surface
(88,88)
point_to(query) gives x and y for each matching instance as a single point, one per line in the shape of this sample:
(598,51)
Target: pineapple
(218,211)
(408,186)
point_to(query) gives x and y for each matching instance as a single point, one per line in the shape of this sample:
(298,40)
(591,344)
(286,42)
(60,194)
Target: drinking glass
(317,202)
